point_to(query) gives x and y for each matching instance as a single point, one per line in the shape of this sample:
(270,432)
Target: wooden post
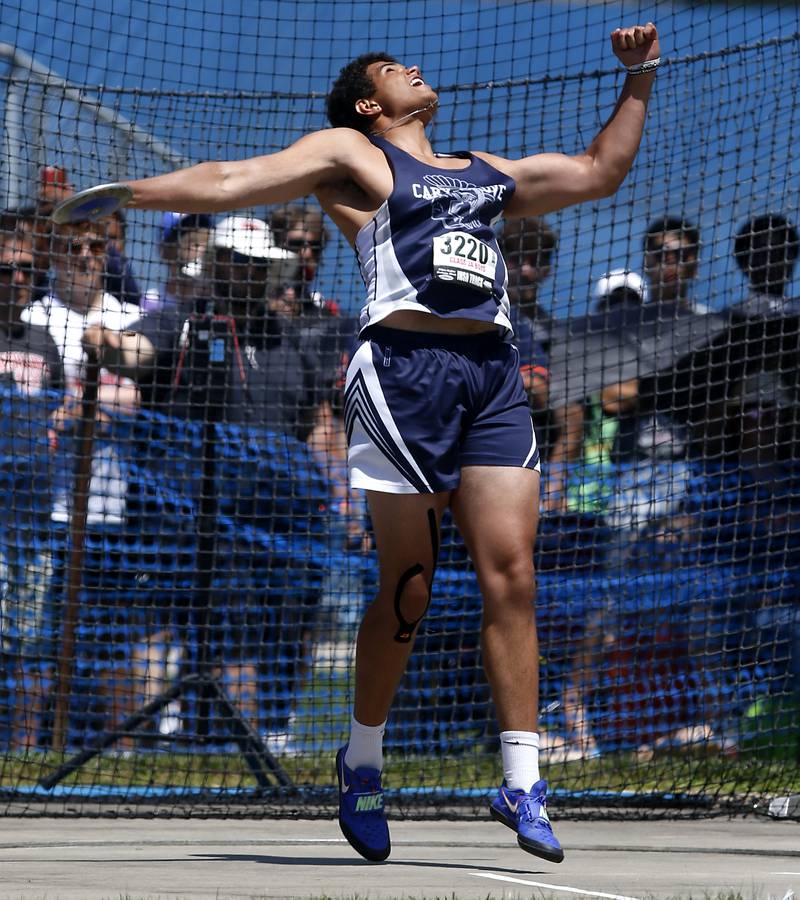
(77,537)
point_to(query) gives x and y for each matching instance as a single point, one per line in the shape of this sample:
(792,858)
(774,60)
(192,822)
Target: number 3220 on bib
(461,258)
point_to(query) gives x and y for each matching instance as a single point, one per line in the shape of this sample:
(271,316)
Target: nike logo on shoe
(512,806)
(369,803)
(345,786)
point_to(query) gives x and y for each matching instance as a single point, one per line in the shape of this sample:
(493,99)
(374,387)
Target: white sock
(520,751)
(365,747)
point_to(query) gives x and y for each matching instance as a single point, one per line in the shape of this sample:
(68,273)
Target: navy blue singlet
(431,247)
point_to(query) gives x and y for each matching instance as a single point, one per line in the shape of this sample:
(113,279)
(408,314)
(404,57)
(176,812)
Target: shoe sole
(536,848)
(361,848)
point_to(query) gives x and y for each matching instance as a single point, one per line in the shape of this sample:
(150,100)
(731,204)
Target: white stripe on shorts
(368,455)
(532,451)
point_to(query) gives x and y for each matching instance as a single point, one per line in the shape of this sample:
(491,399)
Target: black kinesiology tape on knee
(406,629)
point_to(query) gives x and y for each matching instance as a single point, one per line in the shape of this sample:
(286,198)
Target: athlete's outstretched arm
(551,181)
(297,171)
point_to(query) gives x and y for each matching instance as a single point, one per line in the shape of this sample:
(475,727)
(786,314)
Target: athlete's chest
(451,192)
(451,201)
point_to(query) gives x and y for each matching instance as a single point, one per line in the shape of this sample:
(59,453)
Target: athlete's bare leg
(406,533)
(496,509)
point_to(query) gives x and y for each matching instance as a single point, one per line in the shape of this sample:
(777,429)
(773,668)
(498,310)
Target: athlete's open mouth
(417,82)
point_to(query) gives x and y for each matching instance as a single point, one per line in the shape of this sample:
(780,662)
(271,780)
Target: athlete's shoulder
(506,166)
(344,143)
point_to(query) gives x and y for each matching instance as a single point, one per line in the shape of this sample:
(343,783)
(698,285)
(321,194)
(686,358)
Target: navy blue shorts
(419,407)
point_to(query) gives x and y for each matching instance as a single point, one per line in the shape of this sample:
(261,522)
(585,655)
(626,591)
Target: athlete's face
(399,89)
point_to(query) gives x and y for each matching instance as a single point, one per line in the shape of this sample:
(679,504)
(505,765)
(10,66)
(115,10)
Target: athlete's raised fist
(636,44)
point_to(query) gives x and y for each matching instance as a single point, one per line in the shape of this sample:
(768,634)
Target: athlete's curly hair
(353,84)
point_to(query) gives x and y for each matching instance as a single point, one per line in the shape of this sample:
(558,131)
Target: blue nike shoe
(361,815)
(527,815)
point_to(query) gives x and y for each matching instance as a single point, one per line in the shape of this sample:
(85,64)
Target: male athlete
(435,410)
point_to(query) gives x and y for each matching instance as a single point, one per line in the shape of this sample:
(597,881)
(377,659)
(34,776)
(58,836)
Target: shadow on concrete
(356,861)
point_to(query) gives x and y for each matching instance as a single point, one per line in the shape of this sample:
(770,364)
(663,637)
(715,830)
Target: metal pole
(104,114)
(13,145)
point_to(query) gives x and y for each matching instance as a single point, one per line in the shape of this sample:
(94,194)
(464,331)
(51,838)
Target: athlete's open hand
(636,44)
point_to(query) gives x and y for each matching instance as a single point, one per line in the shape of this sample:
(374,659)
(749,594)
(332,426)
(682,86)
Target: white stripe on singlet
(388,289)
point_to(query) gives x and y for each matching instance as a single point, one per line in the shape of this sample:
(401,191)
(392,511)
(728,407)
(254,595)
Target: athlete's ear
(366,107)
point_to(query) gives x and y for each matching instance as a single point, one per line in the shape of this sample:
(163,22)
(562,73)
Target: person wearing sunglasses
(76,298)
(311,320)
(300,229)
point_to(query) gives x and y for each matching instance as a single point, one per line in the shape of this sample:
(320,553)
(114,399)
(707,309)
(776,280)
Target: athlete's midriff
(410,320)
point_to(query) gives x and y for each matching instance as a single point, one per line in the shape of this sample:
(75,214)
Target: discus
(92,204)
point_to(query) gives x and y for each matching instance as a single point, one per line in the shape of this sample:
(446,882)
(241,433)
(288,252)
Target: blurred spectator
(27,220)
(605,427)
(620,459)
(30,365)
(37,225)
(766,250)
(618,450)
(760,413)
(21,220)
(183,244)
(77,299)
(314,324)
(300,229)
(269,378)
(119,279)
(268,383)
(671,251)
(38,367)
(528,246)
(312,321)
(763,336)
(619,289)
(54,186)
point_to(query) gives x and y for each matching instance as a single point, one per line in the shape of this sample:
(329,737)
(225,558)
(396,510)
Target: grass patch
(675,774)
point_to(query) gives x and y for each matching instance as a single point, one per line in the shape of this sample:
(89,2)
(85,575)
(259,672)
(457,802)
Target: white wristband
(648,66)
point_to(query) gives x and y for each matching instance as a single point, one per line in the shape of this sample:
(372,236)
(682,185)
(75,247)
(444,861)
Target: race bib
(461,258)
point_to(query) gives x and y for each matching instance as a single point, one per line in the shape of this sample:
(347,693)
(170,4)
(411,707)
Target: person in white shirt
(76,300)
